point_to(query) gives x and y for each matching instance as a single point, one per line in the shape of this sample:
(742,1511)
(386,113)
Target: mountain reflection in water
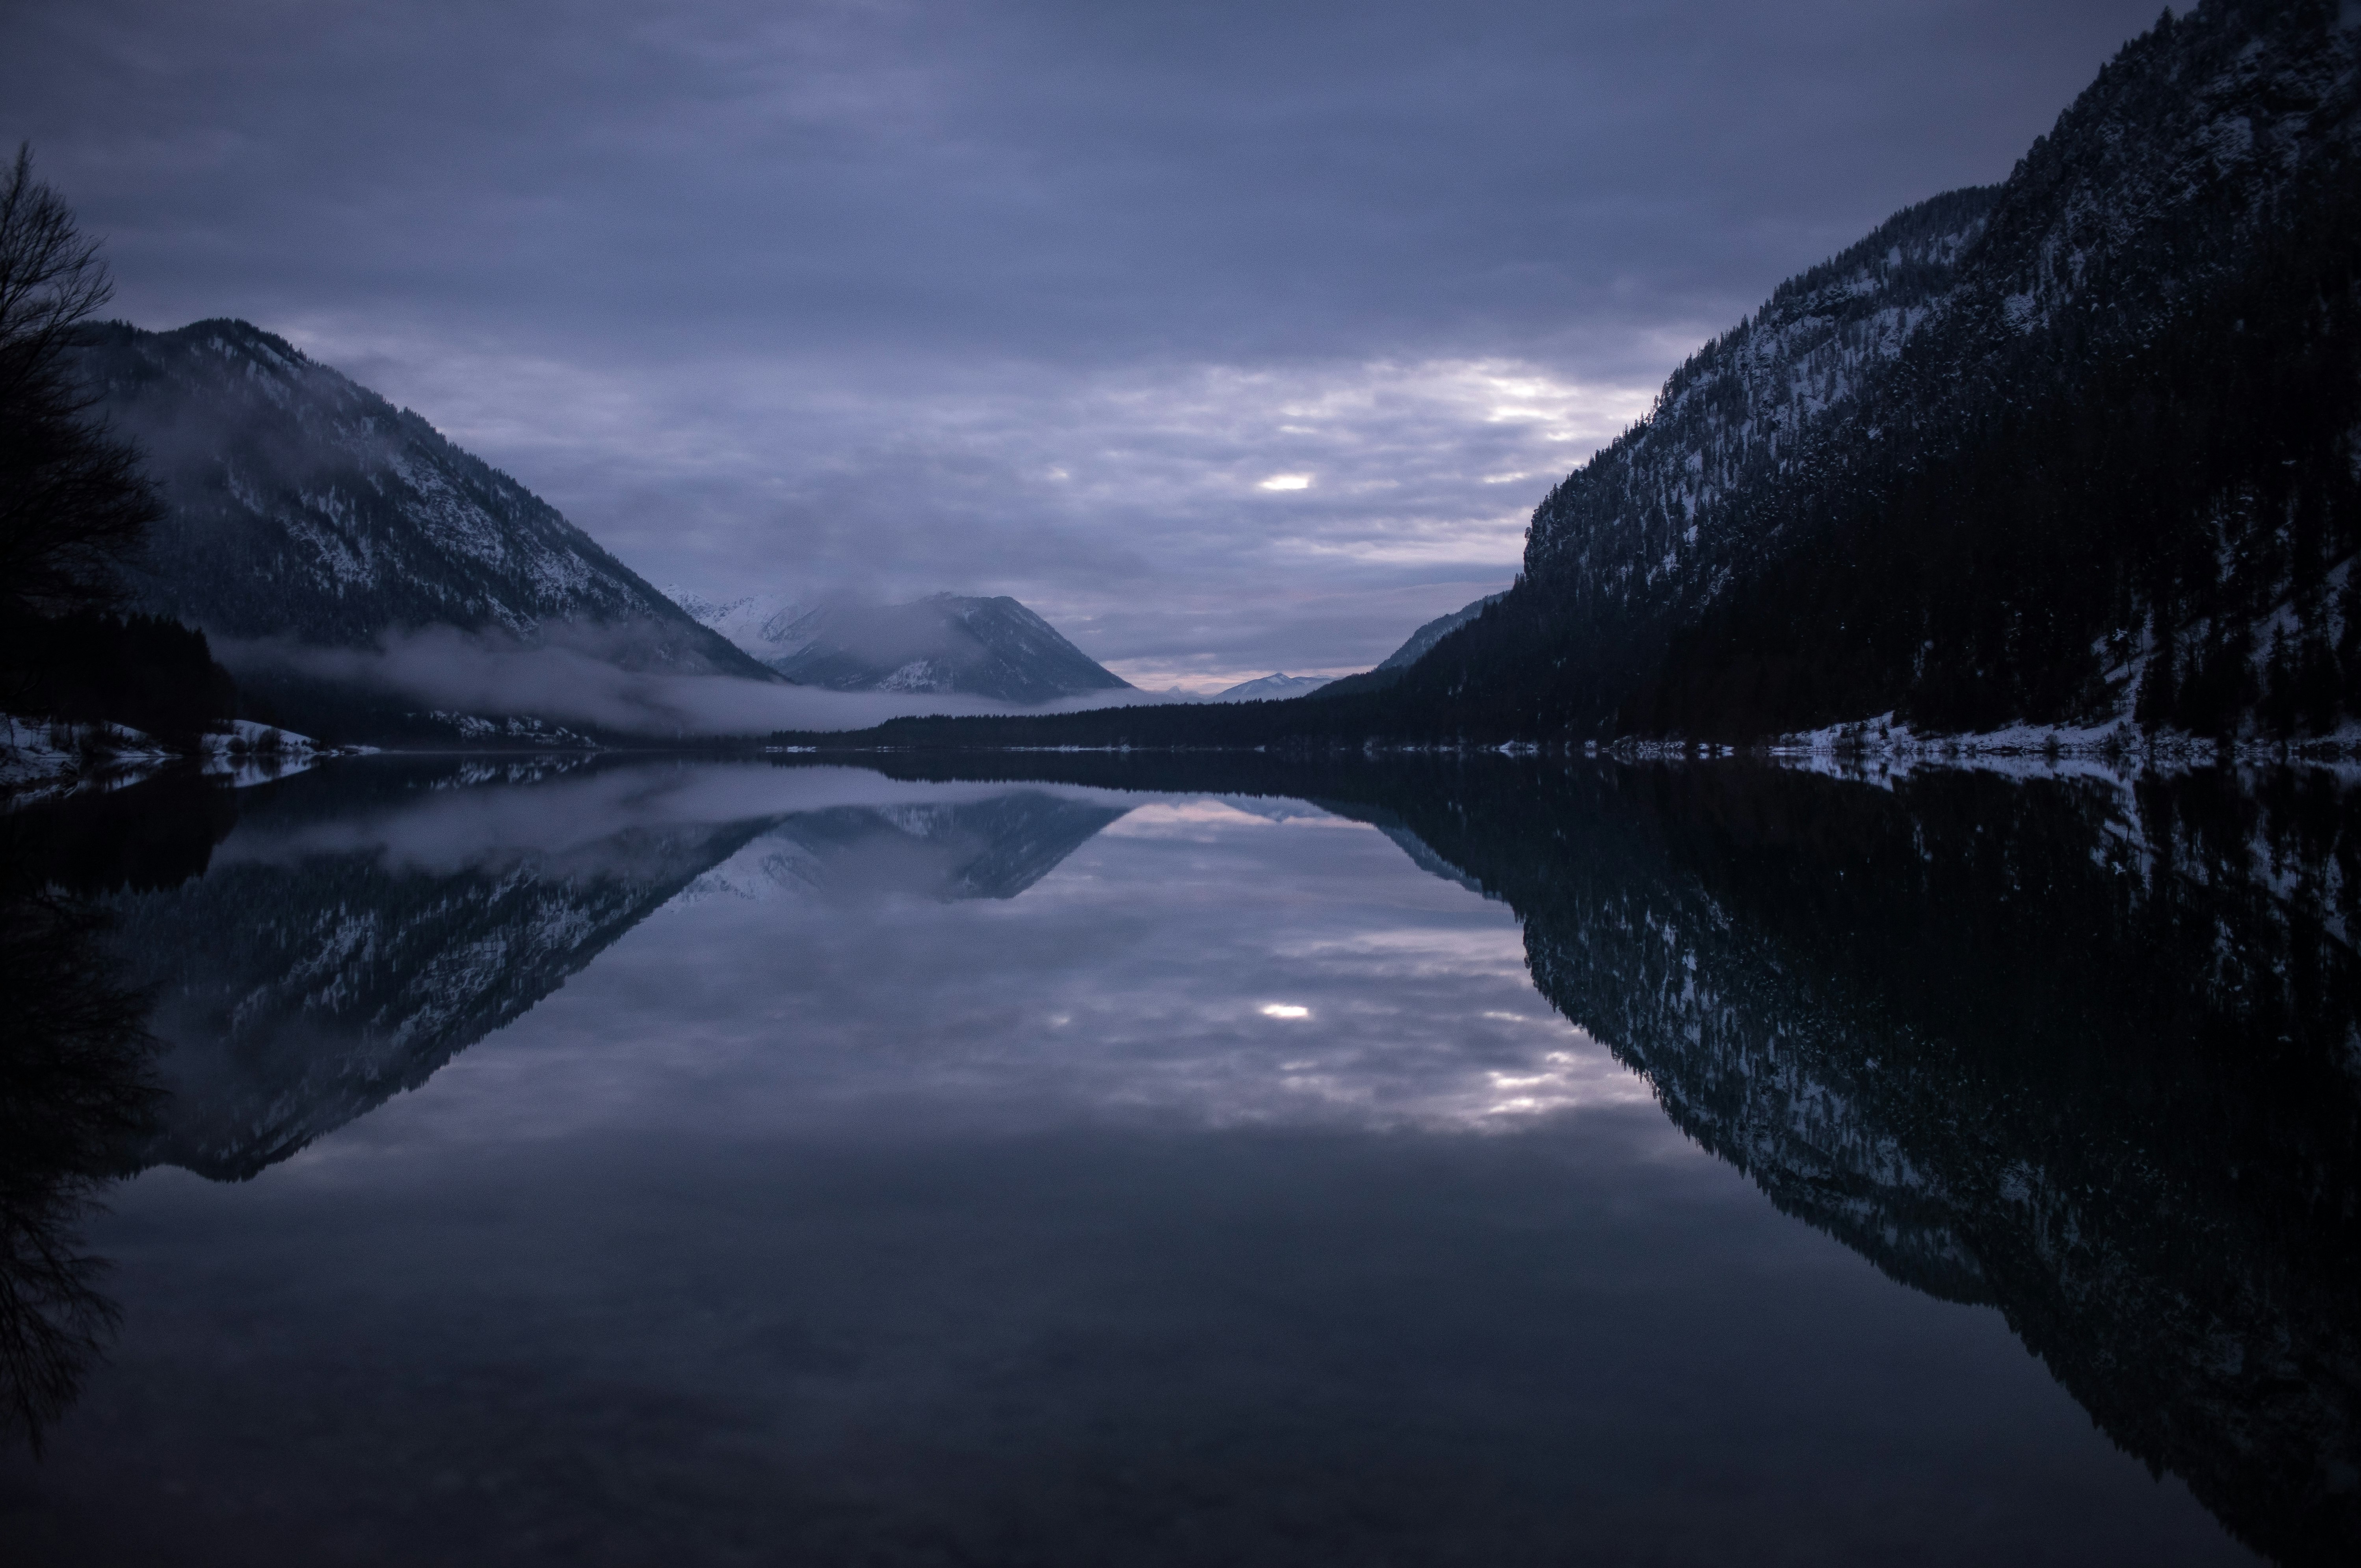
(2083,1050)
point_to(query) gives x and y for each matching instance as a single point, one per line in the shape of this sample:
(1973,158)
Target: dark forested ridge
(2081,446)
(2081,450)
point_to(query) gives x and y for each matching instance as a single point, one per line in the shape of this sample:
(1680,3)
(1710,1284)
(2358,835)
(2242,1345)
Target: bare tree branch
(74,501)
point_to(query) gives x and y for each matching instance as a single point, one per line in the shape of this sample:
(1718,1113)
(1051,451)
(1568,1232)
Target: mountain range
(1416,646)
(2077,454)
(303,510)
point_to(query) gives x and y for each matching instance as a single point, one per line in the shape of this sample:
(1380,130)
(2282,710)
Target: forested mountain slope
(305,506)
(2080,1050)
(2085,444)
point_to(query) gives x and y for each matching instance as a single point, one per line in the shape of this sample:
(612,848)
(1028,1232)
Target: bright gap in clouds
(1287,482)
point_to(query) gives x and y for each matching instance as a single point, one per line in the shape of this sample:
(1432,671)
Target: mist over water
(575,679)
(597,1161)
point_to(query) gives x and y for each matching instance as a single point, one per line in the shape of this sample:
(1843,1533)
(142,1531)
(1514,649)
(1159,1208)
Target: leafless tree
(73,499)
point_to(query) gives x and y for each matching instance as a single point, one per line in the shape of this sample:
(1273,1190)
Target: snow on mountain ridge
(1270,689)
(304,505)
(1627,524)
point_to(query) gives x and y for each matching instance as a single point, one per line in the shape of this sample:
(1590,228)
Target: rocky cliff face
(2084,447)
(307,507)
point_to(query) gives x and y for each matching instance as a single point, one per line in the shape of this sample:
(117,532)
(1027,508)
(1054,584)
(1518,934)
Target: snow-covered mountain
(304,505)
(943,643)
(755,624)
(2083,446)
(1270,689)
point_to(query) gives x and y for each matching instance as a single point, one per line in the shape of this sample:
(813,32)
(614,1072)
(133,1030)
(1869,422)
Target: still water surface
(728,1163)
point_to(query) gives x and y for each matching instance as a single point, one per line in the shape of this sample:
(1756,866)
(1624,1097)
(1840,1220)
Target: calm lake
(1191,1161)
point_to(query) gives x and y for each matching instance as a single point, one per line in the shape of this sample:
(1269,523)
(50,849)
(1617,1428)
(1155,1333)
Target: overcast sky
(1231,337)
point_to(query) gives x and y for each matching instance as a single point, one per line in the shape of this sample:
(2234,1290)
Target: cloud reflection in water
(827,979)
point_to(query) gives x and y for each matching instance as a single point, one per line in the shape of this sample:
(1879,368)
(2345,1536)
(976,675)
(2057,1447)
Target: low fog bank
(567,681)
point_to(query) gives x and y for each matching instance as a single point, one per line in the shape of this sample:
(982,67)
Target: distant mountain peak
(1272,687)
(945,643)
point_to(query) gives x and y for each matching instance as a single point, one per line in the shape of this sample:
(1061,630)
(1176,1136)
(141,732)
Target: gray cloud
(1027,298)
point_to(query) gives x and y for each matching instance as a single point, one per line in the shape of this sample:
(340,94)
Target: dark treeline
(150,673)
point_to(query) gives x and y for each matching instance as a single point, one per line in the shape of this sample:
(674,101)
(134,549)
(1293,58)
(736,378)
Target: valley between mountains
(2070,463)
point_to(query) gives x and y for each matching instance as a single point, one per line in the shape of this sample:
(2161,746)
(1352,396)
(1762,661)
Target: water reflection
(2084,1051)
(2087,1052)
(343,950)
(77,1085)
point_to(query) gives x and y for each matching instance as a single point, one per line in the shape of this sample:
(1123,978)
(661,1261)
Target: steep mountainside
(305,506)
(755,623)
(1416,646)
(945,643)
(2083,445)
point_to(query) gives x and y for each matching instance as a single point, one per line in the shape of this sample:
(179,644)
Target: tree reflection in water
(78,1089)
(2084,1049)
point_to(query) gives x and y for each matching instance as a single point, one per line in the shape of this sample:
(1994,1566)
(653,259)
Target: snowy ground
(41,759)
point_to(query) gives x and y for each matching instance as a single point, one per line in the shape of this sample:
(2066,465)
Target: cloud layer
(1041,298)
